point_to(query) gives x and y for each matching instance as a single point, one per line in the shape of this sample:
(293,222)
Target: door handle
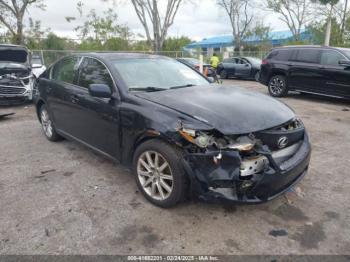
(74,99)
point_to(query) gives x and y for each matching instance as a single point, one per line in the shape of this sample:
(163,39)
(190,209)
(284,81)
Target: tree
(176,43)
(330,4)
(54,42)
(261,33)
(12,15)
(35,34)
(99,28)
(318,30)
(101,32)
(296,14)
(155,23)
(240,19)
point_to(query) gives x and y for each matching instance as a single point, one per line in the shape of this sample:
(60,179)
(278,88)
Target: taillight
(265,62)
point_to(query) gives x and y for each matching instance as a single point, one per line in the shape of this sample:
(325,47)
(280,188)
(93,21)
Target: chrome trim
(315,93)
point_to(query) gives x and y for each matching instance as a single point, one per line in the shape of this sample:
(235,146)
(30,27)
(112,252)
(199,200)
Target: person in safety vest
(214,61)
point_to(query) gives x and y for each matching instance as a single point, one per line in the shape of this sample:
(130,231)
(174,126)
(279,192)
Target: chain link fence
(50,56)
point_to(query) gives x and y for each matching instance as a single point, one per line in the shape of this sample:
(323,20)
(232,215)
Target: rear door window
(94,72)
(280,55)
(331,58)
(308,56)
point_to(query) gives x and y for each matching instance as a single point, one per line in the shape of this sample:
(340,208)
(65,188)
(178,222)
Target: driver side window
(241,62)
(331,57)
(94,72)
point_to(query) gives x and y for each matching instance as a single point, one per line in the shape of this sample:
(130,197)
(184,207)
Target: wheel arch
(148,135)
(277,72)
(39,104)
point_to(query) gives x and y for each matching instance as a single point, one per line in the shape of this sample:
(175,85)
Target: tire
(223,74)
(47,125)
(150,177)
(278,86)
(257,76)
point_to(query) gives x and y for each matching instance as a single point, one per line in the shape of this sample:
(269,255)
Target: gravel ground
(61,198)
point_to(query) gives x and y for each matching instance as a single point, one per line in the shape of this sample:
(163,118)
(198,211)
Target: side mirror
(100,90)
(345,63)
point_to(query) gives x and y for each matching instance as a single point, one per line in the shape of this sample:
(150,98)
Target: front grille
(300,155)
(292,133)
(11,90)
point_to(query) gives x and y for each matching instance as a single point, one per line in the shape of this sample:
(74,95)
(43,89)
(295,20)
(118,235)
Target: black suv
(307,69)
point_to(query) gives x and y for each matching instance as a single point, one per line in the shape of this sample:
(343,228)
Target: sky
(197,21)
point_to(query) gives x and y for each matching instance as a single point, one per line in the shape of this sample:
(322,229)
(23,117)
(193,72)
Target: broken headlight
(198,138)
(204,139)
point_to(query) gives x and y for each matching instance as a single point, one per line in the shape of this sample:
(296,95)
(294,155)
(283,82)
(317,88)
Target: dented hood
(230,110)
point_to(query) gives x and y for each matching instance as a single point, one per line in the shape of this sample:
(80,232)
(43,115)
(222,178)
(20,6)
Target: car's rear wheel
(223,74)
(278,86)
(159,173)
(47,125)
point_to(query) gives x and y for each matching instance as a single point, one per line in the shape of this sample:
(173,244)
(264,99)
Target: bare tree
(12,14)
(240,18)
(155,23)
(330,5)
(296,14)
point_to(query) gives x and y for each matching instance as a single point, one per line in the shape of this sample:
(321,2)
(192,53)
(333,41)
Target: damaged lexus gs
(181,135)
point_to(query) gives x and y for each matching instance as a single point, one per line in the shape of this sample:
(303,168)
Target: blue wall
(277,38)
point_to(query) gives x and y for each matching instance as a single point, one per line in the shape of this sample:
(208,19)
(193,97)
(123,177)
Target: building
(226,42)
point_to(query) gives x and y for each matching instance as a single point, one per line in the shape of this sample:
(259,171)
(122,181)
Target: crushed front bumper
(10,95)
(212,180)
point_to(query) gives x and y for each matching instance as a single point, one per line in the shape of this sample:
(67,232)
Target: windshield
(254,60)
(16,56)
(36,61)
(157,73)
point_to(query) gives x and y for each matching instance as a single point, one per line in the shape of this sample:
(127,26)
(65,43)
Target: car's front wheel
(278,86)
(47,125)
(159,173)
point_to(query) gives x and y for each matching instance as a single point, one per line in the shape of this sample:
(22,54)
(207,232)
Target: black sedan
(240,67)
(178,133)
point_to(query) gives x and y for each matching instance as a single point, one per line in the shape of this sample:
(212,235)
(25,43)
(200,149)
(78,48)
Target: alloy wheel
(46,123)
(155,175)
(277,86)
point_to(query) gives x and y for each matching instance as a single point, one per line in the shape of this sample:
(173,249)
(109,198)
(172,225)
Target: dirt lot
(64,199)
